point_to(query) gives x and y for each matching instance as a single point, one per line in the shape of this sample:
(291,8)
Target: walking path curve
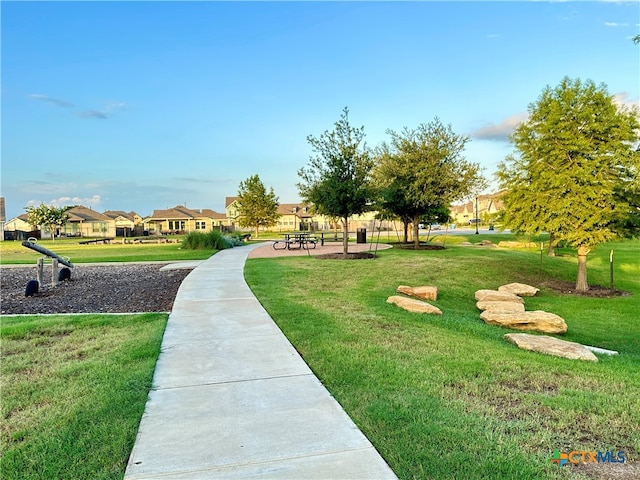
(231,397)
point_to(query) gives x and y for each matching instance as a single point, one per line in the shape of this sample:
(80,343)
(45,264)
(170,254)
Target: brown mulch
(422,246)
(124,288)
(348,256)
(594,291)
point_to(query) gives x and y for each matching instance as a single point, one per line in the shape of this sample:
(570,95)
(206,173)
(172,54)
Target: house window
(201,225)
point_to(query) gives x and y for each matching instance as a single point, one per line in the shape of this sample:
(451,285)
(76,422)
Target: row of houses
(86,222)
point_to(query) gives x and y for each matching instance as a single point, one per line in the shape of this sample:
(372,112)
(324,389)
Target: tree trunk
(581,281)
(552,245)
(406,232)
(416,233)
(345,236)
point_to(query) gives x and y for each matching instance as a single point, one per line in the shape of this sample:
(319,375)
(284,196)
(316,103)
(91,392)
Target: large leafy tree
(257,207)
(422,171)
(48,217)
(337,180)
(575,171)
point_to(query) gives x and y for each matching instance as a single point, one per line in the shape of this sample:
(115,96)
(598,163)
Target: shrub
(212,240)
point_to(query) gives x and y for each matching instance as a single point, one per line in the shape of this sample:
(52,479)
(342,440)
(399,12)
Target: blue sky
(147,105)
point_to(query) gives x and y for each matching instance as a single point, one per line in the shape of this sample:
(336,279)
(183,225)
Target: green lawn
(440,397)
(15,253)
(446,396)
(73,392)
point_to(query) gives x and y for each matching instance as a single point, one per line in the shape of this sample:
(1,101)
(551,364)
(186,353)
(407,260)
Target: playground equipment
(56,276)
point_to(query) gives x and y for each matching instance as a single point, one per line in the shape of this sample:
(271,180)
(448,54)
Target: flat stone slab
(497,296)
(551,346)
(501,307)
(520,289)
(413,305)
(423,292)
(538,321)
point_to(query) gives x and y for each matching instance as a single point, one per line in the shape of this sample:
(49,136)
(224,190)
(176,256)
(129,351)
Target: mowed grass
(73,392)
(14,253)
(446,396)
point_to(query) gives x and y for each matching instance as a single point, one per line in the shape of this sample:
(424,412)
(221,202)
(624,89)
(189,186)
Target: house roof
(84,214)
(120,213)
(179,212)
(296,209)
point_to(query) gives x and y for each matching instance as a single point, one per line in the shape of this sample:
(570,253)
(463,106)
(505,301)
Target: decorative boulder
(551,346)
(496,296)
(501,307)
(426,293)
(520,289)
(517,244)
(412,305)
(538,321)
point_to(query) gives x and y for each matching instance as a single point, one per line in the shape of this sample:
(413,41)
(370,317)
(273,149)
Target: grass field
(15,253)
(440,397)
(446,396)
(73,392)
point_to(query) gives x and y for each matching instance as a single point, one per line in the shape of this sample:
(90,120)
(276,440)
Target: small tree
(422,170)
(48,217)
(337,180)
(257,207)
(576,172)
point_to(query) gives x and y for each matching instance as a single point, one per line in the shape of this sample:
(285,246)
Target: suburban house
(298,217)
(82,222)
(127,224)
(18,228)
(487,206)
(85,222)
(181,219)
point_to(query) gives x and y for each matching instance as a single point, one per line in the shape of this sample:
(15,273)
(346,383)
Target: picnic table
(304,240)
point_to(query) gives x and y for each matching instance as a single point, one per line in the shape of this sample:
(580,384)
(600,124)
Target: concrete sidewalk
(231,397)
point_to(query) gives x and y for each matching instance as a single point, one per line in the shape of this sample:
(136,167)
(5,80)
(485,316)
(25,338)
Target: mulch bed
(422,246)
(595,291)
(348,256)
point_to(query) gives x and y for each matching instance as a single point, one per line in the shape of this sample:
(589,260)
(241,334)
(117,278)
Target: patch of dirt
(348,256)
(422,246)
(608,471)
(595,291)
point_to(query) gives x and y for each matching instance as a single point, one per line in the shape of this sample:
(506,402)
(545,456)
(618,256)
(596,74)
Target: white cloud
(500,131)
(615,24)
(54,101)
(93,114)
(624,100)
(93,201)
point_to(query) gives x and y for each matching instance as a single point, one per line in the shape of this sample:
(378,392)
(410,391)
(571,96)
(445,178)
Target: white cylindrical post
(54,272)
(39,270)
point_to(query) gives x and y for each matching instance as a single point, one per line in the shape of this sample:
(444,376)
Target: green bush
(212,240)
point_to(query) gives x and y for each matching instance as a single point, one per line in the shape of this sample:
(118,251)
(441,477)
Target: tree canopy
(257,207)
(337,180)
(422,171)
(49,217)
(575,171)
